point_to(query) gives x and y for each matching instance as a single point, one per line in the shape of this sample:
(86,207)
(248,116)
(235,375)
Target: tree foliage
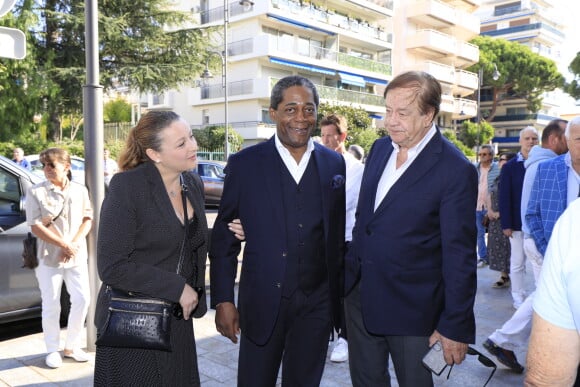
(523,73)
(140,47)
(469,132)
(117,110)
(212,138)
(573,88)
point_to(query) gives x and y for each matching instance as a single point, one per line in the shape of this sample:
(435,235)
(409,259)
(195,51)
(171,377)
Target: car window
(10,194)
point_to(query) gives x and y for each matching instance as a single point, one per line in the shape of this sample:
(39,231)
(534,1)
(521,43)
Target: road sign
(5,6)
(12,43)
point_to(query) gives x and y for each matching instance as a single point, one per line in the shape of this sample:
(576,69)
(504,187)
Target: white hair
(573,122)
(528,129)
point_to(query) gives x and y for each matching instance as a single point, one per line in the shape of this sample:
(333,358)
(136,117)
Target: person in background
(60,215)
(498,245)
(18,158)
(410,272)
(357,151)
(554,350)
(487,171)
(289,194)
(141,235)
(553,144)
(553,187)
(333,129)
(110,166)
(511,183)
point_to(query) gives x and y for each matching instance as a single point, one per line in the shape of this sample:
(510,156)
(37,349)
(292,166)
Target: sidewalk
(22,359)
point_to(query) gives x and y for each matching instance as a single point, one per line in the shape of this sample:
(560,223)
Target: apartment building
(343,46)
(433,36)
(536,24)
(349,48)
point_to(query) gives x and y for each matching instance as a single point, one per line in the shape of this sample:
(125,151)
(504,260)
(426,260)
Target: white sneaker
(53,360)
(340,352)
(78,355)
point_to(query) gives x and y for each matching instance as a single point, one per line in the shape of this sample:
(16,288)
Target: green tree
(117,110)
(573,88)
(141,47)
(524,74)
(212,138)
(468,133)
(451,136)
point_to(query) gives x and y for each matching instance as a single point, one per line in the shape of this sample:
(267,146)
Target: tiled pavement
(22,359)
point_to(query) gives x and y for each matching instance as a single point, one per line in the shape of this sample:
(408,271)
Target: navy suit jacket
(415,256)
(253,193)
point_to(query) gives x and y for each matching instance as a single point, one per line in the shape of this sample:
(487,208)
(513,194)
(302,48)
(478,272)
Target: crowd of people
(331,245)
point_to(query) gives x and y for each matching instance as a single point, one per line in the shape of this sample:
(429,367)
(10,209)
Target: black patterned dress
(138,367)
(498,245)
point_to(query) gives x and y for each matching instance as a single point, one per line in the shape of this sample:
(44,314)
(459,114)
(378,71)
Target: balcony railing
(343,95)
(309,11)
(246,46)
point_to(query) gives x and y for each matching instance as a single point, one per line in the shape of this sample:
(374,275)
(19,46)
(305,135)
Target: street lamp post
(495,76)
(224,58)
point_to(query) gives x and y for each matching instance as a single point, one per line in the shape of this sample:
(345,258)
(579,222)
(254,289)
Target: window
(9,194)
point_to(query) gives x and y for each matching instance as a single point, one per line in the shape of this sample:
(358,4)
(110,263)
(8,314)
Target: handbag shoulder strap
(185,223)
(61,210)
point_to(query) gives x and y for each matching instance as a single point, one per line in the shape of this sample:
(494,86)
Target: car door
(19,293)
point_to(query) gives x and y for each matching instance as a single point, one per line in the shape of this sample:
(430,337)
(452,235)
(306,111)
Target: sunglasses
(484,154)
(502,159)
(486,361)
(178,310)
(44,165)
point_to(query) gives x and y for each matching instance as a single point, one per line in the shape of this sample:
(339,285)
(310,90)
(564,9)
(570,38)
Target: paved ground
(22,359)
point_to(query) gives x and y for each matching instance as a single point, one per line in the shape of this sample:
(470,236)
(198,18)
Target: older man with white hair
(510,198)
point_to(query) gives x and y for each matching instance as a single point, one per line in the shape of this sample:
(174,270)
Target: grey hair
(573,122)
(528,129)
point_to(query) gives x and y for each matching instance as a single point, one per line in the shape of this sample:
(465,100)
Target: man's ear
(342,137)
(273,115)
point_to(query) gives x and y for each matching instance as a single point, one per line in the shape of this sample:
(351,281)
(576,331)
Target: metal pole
(479,83)
(93,136)
(225,78)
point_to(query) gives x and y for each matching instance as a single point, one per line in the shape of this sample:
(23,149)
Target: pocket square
(337,181)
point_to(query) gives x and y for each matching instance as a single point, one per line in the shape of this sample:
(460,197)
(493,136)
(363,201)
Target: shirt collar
(419,147)
(283,150)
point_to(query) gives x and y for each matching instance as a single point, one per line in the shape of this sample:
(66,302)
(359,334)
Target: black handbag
(138,321)
(30,249)
(29,257)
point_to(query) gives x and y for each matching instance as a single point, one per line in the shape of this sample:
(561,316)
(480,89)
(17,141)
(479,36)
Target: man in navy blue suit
(411,267)
(289,194)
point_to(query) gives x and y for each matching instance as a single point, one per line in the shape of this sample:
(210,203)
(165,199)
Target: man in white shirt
(333,131)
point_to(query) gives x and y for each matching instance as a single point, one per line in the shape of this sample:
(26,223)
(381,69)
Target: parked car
(77,167)
(19,293)
(212,174)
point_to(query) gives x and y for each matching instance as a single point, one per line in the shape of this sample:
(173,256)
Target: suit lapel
(325,184)
(157,189)
(422,164)
(270,163)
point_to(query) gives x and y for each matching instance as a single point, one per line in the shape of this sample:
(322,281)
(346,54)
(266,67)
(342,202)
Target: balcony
(465,83)
(445,74)
(330,20)
(265,45)
(439,15)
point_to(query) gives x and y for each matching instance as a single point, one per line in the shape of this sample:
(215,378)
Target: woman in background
(60,215)
(140,237)
(498,245)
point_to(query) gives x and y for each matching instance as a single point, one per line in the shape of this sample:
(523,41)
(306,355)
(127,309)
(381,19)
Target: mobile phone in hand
(434,359)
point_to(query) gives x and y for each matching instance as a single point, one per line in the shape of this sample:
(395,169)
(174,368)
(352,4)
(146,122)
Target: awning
(376,116)
(299,24)
(303,66)
(375,81)
(351,79)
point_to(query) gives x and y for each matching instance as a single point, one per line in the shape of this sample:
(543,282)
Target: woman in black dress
(140,235)
(498,245)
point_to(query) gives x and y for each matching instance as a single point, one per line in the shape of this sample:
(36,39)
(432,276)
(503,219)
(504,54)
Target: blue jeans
(481,247)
